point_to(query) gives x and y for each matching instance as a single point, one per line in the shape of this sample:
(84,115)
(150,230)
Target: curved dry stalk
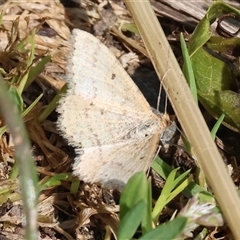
(187,110)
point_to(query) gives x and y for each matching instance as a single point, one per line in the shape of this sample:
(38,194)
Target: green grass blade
(28,175)
(187,69)
(217,126)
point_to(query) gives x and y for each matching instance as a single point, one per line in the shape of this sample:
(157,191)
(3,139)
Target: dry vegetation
(63,215)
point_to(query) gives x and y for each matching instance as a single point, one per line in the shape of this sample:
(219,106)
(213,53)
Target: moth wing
(87,124)
(112,165)
(94,73)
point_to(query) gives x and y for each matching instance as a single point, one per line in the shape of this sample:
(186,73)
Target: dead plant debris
(86,214)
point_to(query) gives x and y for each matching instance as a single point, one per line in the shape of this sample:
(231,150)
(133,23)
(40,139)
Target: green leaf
(147,218)
(131,27)
(217,126)
(53,181)
(214,77)
(187,68)
(135,206)
(27,170)
(32,105)
(211,73)
(173,186)
(163,169)
(17,99)
(135,190)
(74,186)
(23,114)
(167,231)
(36,70)
(131,220)
(52,105)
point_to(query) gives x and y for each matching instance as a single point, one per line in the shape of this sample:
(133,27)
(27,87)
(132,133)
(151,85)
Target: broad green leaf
(167,231)
(132,219)
(226,102)
(203,33)
(223,45)
(135,190)
(214,76)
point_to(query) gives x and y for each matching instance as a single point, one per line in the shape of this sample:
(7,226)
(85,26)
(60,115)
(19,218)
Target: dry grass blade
(187,111)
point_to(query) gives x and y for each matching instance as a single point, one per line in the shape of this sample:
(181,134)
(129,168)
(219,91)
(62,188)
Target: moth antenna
(160,91)
(159,96)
